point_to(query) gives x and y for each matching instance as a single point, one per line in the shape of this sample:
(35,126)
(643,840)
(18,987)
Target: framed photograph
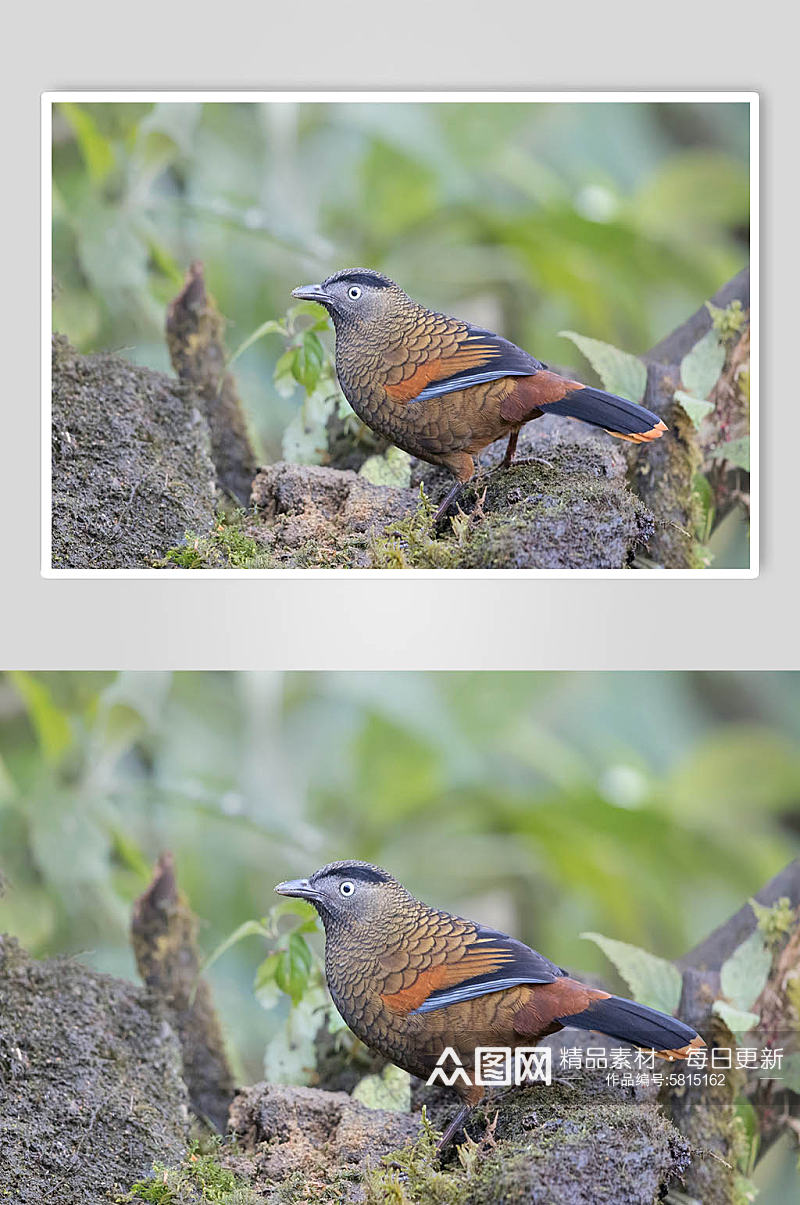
(400,333)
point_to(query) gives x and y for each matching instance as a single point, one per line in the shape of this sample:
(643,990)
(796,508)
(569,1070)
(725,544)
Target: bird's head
(356,297)
(353,894)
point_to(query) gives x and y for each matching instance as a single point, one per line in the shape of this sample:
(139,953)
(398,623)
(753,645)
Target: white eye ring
(346,888)
(354,292)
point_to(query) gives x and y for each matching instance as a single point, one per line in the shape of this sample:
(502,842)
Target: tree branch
(163,932)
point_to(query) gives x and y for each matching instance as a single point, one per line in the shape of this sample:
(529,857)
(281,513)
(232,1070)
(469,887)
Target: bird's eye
(346,888)
(354,292)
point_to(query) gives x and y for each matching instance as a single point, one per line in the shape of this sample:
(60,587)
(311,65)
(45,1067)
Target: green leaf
(270,327)
(292,906)
(52,726)
(744,974)
(700,367)
(284,378)
(751,1131)
(309,309)
(308,361)
(653,981)
(694,406)
(305,440)
(291,1057)
(293,967)
(389,1090)
(250,928)
(619,371)
(266,989)
(393,468)
(97,151)
(737,451)
(738,1020)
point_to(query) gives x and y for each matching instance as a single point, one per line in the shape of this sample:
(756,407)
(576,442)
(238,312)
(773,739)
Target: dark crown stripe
(356,870)
(371,280)
(365,874)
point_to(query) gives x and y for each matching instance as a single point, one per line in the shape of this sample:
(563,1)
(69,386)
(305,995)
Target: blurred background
(615,220)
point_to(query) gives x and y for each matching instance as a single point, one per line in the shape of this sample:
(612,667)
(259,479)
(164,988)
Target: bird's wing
(490,962)
(463,355)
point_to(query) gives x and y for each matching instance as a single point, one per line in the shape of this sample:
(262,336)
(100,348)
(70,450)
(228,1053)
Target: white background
(388,623)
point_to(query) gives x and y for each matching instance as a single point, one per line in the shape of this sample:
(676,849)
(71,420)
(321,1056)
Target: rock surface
(133,474)
(132,469)
(92,1095)
(91,1083)
(568,508)
(287,1135)
(313,516)
(573,1142)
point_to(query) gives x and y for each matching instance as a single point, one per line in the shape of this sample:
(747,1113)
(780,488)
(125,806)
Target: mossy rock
(92,1083)
(131,458)
(568,507)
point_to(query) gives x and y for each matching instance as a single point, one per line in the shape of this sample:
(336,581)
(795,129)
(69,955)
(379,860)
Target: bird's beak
(298,887)
(310,293)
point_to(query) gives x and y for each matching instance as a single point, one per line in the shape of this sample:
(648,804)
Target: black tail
(637,1024)
(614,414)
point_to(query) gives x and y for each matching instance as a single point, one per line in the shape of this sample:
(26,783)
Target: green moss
(323,1187)
(776,922)
(227,546)
(413,1176)
(728,323)
(341,554)
(198,1179)
(411,542)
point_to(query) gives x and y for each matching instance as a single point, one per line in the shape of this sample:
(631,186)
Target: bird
(412,980)
(443,389)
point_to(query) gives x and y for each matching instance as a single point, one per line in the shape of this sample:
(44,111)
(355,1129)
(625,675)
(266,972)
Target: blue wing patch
(470,991)
(463,380)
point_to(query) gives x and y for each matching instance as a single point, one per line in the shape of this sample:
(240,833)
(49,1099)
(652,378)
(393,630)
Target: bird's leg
(511,449)
(455,1125)
(447,503)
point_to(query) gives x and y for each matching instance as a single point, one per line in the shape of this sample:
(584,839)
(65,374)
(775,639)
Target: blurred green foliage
(616,220)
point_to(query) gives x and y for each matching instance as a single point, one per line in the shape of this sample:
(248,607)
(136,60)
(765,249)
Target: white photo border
(49,99)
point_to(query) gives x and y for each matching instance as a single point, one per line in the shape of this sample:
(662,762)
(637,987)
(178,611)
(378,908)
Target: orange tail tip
(682,1052)
(642,437)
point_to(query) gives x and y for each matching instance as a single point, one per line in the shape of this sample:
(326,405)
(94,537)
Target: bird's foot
(514,464)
